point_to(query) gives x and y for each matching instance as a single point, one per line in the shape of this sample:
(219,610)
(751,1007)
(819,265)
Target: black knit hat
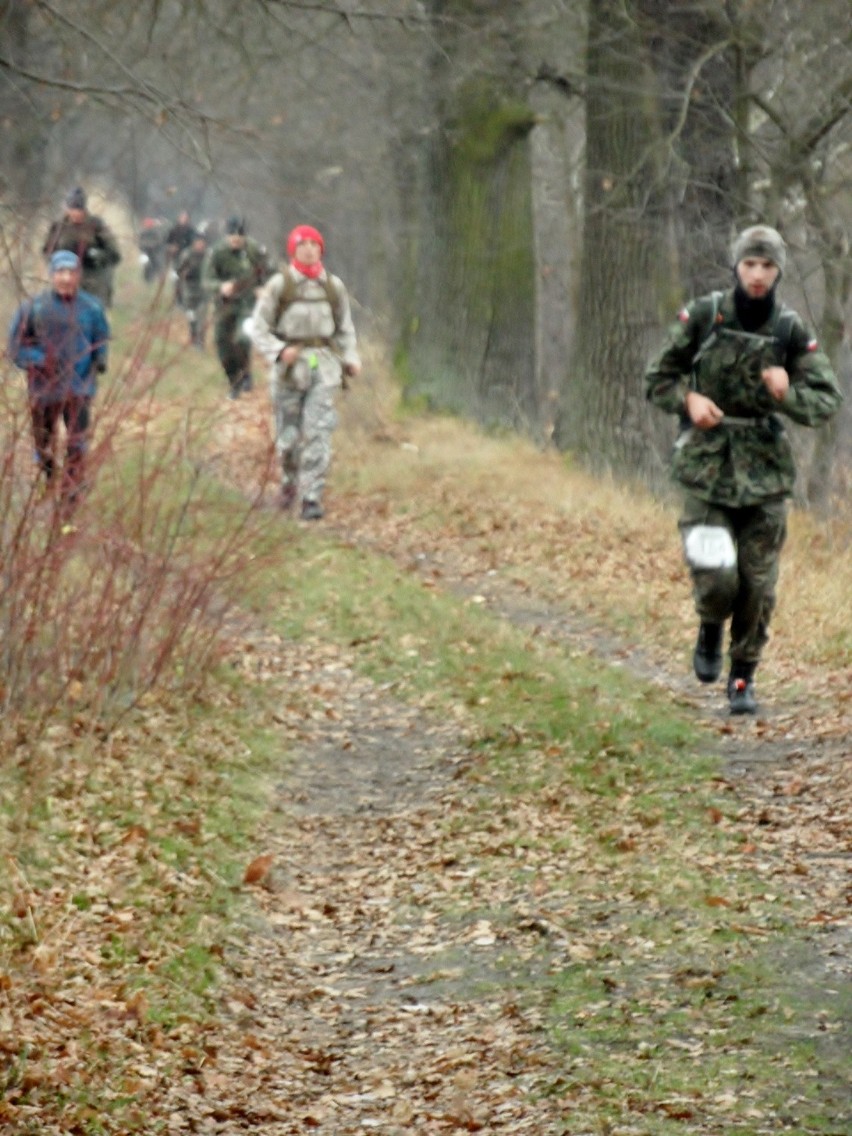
(76,198)
(235,225)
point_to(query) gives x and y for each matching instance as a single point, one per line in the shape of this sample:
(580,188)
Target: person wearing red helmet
(302,326)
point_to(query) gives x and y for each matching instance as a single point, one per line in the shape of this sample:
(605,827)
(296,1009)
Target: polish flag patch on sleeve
(812,345)
(683,315)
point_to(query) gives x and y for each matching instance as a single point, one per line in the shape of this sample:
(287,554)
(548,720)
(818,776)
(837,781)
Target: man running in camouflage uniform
(735,364)
(302,326)
(189,288)
(233,271)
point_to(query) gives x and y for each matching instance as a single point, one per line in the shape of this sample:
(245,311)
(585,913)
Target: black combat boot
(707,658)
(741,688)
(312,511)
(287,499)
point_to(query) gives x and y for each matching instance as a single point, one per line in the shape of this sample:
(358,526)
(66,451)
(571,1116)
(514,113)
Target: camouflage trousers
(100,282)
(304,423)
(232,344)
(744,593)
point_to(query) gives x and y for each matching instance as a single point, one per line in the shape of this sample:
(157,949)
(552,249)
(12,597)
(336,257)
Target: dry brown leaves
(353,1001)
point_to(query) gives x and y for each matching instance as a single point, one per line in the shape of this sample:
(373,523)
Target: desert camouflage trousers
(746,592)
(304,423)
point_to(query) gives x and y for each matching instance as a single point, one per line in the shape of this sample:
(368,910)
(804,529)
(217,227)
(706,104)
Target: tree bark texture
(624,266)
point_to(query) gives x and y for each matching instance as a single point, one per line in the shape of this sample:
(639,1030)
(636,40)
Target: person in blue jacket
(60,338)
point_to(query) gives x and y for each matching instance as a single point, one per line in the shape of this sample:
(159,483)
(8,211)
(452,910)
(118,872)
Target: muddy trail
(354,1002)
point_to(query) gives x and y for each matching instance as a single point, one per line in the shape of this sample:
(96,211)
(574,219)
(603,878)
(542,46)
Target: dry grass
(534,513)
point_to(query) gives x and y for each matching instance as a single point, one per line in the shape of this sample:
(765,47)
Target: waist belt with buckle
(309,342)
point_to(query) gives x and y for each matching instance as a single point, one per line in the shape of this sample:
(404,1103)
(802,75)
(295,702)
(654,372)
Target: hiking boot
(707,657)
(741,696)
(312,511)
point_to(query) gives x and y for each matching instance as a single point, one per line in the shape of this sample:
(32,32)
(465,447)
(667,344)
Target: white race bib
(709,546)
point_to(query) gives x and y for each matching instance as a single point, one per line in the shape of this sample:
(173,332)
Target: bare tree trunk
(22,141)
(838,290)
(624,268)
(691,53)
(472,346)
(555,240)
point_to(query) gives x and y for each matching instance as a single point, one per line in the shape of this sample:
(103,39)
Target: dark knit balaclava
(767,243)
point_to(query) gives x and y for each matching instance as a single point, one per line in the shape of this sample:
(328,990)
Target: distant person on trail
(734,366)
(152,249)
(302,326)
(179,236)
(234,270)
(91,239)
(60,338)
(189,289)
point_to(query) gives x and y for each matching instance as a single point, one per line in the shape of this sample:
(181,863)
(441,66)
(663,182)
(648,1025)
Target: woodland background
(416,820)
(519,192)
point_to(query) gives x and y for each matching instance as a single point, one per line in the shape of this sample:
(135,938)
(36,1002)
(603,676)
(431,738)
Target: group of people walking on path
(298,319)
(735,364)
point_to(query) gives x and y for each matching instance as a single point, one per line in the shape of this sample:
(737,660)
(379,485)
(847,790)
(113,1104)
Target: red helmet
(304,233)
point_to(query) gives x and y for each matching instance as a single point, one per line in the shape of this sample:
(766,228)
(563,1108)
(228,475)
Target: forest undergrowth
(419,823)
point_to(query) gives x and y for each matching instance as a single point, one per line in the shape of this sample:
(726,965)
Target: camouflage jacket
(248,267)
(189,267)
(747,458)
(92,240)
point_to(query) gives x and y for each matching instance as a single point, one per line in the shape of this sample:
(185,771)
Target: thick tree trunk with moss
(821,475)
(624,267)
(485,329)
(691,53)
(473,343)
(22,151)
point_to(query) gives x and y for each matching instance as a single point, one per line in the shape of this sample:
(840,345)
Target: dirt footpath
(355,1004)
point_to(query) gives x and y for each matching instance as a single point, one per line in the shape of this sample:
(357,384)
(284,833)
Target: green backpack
(290,292)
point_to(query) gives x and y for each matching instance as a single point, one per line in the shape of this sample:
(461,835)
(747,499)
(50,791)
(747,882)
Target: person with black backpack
(302,326)
(734,366)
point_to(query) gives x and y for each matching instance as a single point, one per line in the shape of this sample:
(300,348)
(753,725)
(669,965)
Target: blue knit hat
(64,259)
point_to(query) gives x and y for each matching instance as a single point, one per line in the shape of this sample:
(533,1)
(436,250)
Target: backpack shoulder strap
(286,296)
(711,320)
(782,329)
(333,295)
(289,291)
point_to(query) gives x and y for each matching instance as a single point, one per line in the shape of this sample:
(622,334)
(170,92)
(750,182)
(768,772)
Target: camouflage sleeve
(210,279)
(814,394)
(107,241)
(49,246)
(667,379)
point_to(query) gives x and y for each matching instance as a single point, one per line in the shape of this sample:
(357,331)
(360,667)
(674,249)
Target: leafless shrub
(131,590)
